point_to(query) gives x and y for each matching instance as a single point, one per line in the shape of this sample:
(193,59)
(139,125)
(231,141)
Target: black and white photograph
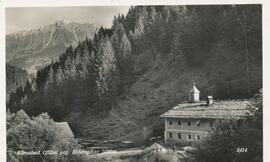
(134,83)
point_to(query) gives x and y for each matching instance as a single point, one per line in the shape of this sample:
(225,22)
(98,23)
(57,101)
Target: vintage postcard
(134,83)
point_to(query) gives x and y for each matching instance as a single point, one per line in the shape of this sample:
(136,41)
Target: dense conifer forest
(15,77)
(218,47)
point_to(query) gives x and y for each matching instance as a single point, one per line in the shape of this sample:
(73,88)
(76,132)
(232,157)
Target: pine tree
(122,47)
(105,69)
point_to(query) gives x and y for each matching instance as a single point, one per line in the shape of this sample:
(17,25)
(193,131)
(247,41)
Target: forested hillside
(15,77)
(118,83)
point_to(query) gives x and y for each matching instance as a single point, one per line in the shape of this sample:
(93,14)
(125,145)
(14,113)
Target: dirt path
(124,122)
(145,131)
(121,153)
(118,118)
(113,155)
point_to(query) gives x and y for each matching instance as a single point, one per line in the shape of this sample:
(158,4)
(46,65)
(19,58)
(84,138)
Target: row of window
(189,123)
(179,136)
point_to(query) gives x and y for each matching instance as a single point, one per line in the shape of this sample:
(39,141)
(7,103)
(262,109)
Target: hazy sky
(25,18)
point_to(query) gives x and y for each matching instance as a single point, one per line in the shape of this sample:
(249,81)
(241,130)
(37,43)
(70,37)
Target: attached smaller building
(194,120)
(64,130)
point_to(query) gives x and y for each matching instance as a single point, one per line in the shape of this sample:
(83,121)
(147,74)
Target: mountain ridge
(36,48)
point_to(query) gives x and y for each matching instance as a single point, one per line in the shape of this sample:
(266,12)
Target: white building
(194,120)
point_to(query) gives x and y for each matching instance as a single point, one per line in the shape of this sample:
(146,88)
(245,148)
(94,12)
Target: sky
(26,18)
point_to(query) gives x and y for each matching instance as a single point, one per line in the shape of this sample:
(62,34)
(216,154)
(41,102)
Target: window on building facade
(179,135)
(170,122)
(189,136)
(188,123)
(198,137)
(179,122)
(170,135)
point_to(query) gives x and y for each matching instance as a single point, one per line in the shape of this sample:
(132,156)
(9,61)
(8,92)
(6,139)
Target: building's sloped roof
(228,109)
(64,130)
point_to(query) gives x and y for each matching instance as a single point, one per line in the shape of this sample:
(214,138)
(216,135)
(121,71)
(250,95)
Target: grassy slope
(149,154)
(136,113)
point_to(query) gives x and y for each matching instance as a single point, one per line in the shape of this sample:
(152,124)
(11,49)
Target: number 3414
(241,149)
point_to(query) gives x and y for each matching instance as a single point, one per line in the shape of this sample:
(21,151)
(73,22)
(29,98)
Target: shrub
(34,134)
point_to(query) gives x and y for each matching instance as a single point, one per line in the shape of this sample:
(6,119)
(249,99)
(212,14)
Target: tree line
(223,42)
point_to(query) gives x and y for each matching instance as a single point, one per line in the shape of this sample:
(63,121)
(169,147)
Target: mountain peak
(49,41)
(62,21)
(71,25)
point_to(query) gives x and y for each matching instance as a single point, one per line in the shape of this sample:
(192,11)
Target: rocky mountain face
(36,48)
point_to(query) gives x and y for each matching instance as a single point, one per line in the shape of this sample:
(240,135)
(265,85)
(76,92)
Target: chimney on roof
(194,94)
(209,100)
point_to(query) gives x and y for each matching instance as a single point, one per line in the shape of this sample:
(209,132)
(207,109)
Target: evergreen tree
(105,69)
(122,48)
